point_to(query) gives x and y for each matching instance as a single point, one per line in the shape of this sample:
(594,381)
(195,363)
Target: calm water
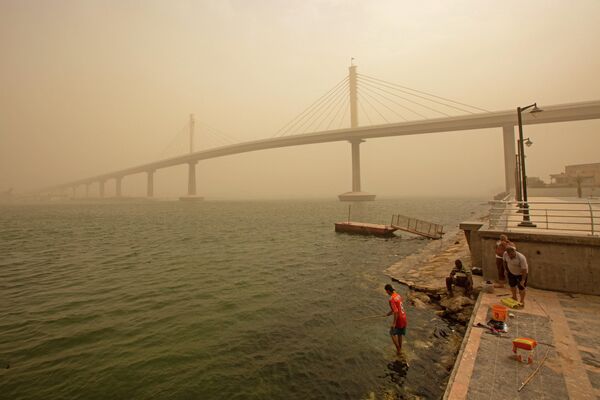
(215,300)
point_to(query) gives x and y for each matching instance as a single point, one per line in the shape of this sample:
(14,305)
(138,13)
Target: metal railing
(417,226)
(568,216)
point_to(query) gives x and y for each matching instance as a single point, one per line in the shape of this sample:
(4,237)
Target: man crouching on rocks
(460,276)
(398,328)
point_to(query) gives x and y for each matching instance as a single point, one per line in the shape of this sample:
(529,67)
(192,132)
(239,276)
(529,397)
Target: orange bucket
(499,313)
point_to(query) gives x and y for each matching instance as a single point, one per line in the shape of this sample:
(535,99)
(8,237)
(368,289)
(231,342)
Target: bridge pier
(101,188)
(356,194)
(87,190)
(118,186)
(191,179)
(150,184)
(508,135)
(191,183)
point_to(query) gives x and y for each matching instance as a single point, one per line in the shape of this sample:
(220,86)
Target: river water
(210,300)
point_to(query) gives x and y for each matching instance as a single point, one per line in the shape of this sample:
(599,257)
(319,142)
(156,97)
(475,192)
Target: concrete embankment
(566,363)
(425,272)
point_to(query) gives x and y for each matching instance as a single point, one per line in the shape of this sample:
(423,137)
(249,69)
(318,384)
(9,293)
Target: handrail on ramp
(417,226)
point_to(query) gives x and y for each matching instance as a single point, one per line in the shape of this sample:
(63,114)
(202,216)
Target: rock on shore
(425,275)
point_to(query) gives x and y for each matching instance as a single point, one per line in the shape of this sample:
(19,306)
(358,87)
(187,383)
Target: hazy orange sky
(92,86)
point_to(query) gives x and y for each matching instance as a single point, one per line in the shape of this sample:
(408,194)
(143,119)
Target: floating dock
(363,228)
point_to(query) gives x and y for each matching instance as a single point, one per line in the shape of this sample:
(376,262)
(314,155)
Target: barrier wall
(561,262)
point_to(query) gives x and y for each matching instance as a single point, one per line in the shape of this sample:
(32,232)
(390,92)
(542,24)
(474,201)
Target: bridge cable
(232,138)
(343,104)
(381,81)
(381,87)
(333,106)
(289,125)
(383,104)
(217,140)
(173,141)
(310,118)
(286,128)
(328,100)
(345,108)
(222,139)
(404,98)
(371,91)
(360,104)
(322,111)
(374,108)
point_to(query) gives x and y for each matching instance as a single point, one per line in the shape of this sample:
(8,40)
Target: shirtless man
(517,270)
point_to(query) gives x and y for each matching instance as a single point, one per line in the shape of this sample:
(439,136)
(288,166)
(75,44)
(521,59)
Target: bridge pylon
(191,196)
(356,194)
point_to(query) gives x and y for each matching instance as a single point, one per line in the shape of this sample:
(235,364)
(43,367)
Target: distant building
(534,181)
(588,173)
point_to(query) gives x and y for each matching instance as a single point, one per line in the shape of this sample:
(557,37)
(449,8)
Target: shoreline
(424,273)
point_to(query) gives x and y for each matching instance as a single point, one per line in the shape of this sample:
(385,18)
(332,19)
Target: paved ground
(567,327)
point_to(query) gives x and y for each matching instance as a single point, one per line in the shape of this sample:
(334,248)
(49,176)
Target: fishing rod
(369,317)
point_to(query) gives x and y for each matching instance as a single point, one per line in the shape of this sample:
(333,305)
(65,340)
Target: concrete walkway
(566,327)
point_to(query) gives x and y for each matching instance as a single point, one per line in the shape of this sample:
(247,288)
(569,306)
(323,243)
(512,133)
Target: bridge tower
(356,194)
(191,195)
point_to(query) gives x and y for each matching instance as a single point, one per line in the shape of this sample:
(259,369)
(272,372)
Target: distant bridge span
(501,119)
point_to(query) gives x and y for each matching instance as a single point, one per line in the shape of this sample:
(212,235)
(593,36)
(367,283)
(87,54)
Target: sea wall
(560,262)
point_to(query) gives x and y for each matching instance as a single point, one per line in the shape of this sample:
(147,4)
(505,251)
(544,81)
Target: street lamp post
(526,220)
(518,186)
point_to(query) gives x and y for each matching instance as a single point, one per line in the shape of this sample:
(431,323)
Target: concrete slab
(485,367)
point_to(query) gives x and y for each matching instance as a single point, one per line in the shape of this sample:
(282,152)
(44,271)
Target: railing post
(547,219)
(591,216)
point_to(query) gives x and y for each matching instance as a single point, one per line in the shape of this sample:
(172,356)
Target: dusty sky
(87,87)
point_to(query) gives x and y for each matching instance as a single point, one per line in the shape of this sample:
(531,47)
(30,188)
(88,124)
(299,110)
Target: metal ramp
(417,226)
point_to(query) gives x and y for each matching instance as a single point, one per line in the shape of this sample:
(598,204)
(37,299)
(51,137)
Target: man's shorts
(515,281)
(462,281)
(398,331)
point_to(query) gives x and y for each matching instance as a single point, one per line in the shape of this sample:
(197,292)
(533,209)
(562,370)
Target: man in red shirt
(398,328)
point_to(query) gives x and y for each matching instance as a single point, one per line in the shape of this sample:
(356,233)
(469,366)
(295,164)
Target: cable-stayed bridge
(335,117)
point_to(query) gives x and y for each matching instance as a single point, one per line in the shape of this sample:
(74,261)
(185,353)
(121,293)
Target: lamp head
(535,109)
(528,142)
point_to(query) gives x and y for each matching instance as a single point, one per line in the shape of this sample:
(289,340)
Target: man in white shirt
(516,270)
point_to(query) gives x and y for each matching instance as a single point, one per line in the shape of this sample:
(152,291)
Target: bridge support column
(191,183)
(191,179)
(356,194)
(101,188)
(508,135)
(118,186)
(87,190)
(150,185)
(356,165)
